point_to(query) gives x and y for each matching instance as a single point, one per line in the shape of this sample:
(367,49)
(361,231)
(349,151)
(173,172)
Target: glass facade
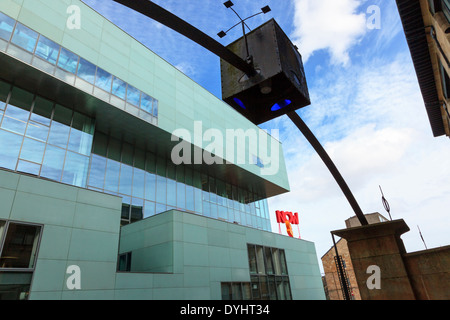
(31,47)
(48,140)
(19,243)
(269,277)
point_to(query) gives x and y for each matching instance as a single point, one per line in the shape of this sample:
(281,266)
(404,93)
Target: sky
(366,110)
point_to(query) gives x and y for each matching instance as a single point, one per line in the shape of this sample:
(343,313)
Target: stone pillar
(379,245)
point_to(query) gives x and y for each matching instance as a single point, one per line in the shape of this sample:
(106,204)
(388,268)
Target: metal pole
(329,163)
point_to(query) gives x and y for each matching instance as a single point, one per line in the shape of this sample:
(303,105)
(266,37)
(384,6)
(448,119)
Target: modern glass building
(93,205)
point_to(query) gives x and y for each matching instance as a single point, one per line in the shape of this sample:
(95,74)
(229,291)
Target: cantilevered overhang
(123,125)
(416,36)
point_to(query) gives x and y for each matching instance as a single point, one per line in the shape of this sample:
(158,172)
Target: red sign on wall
(288,218)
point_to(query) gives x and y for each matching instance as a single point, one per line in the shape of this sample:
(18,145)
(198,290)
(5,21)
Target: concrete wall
(203,252)
(422,275)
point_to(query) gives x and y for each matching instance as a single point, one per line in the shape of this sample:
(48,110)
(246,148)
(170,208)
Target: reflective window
(28,167)
(75,169)
(181,195)
(133,96)
(68,61)
(138,183)
(161,189)
(24,37)
(15,119)
(137,210)
(81,134)
(126,179)
(86,71)
(155,108)
(119,88)
(150,186)
(103,80)
(42,111)
(112,175)
(20,246)
(171,193)
(47,50)
(32,150)
(146,103)
(6,26)
(97,171)
(10,144)
(53,163)
(149,209)
(60,127)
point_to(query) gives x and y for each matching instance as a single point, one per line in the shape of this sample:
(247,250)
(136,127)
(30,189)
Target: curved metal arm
(329,163)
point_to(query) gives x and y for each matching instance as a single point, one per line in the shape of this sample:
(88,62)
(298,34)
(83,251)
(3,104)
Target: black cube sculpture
(279,85)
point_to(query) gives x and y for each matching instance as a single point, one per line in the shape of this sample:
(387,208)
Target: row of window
(43,138)
(269,278)
(69,67)
(440,6)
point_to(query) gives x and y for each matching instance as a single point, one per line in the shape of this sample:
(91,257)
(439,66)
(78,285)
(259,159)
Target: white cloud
(333,25)
(376,130)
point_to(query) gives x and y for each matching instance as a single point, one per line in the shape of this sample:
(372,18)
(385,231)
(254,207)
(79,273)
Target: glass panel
(126,206)
(161,189)
(112,176)
(68,61)
(100,146)
(246,291)
(171,193)
(252,258)
(206,209)
(86,71)
(283,262)
(236,291)
(126,179)
(32,150)
(226,291)
(146,103)
(150,162)
(155,108)
(2,226)
(150,186)
(103,80)
(127,153)
(280,289)
(160,208)
(276,261)
(198,200)
(269,264)
(181,195)
(260,260)
(10,147)
(133,95)
(20,246)
(264,288)
(42,111)
(75,169)
(81,134)
(137,210)
(15,119)
(256,295)
(24,37)
(6,26)
(114,150)
(149,209)
(119,88)
(287,288)
(138,183)
(47,50)
(60,127)
(190,204)
(28,167)
(222,213)
(97,171)
(272,288)
(53,163)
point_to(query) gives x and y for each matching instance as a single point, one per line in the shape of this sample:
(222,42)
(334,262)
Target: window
(103,80)
(86,71)
(47,50)
(6,26)
(19,245)
(119,88)
(68,61)
(124,262)
(268,275)
(440,6)
(133,95)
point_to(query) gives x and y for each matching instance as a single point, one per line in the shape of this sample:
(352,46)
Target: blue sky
(366,109)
